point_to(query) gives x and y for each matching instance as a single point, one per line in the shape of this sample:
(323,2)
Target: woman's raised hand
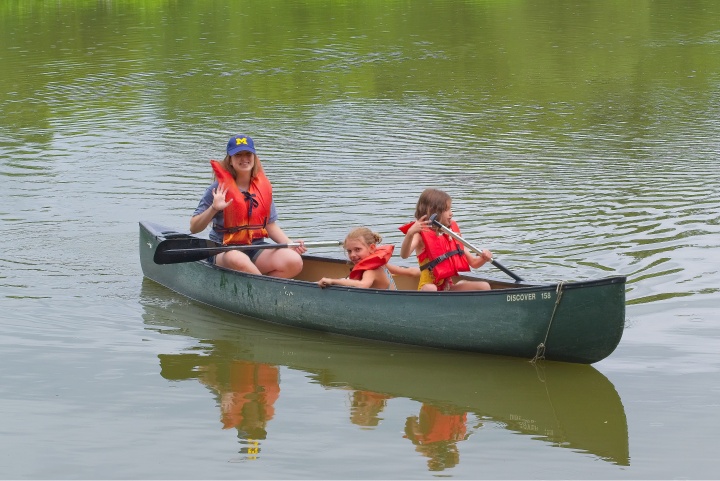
(219,202)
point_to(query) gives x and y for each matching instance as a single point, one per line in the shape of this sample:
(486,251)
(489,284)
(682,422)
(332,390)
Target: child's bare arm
(367,280)
(412,241)
(403,271)
(477,261)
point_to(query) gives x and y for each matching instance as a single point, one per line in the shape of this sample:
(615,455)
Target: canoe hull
(585,327)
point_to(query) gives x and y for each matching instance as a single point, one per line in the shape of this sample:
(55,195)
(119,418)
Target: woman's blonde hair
(366,235)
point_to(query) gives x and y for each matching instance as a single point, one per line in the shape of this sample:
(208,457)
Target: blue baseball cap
(240,143)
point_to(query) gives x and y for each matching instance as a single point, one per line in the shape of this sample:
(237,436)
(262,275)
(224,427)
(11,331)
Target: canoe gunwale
(526,286)
(160,233)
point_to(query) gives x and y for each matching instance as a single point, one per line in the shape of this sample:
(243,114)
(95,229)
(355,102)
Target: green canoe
(578,322)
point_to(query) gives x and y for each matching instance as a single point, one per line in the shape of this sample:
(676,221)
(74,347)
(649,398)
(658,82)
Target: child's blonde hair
(368,237)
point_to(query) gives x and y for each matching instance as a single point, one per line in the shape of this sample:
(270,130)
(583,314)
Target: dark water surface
(578,140)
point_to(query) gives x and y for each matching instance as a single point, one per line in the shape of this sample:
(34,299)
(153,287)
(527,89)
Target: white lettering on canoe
(529,296)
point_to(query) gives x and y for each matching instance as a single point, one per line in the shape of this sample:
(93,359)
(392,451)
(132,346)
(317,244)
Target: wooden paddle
(452,234)
(191,249)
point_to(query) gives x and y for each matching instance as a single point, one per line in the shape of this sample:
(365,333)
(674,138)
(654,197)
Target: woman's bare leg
(285,263)
(236,260)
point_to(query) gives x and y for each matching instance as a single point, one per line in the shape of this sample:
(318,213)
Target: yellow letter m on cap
(241,141)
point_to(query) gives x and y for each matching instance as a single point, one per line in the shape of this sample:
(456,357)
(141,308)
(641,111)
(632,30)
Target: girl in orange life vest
(440,256)
(370,262)
(239,204)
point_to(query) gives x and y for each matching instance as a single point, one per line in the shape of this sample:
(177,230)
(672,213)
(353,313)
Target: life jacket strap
(232,230)
(431,265)
(251,201)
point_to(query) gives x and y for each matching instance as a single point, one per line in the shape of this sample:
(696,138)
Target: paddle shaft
(217,250)
(452,234)
(170,255)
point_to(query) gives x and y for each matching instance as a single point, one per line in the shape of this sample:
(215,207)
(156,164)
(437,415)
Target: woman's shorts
(251,253)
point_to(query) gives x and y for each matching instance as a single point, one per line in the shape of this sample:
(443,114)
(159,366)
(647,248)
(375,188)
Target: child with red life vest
(440,256)
(240,206)
(370,262)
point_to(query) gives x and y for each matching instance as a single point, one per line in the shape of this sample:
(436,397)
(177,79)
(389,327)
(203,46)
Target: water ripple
(551,210)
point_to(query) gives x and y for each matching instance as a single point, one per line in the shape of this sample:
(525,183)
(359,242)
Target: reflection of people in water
(365,407)
(247,392)
(435,434)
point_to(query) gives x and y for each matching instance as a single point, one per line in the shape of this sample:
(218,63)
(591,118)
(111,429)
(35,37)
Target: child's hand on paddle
(419,225)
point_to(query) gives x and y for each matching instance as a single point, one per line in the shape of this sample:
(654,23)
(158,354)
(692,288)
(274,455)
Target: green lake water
(577,139)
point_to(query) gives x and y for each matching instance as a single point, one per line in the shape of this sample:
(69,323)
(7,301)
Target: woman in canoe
(240,206)
(440,256)
(370,262)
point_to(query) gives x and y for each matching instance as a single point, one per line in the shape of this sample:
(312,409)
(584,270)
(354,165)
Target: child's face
(358,250)
(446,216)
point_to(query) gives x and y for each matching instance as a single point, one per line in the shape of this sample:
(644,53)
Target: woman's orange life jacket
(246,217)
(379,258)
(253,384)
(443,255)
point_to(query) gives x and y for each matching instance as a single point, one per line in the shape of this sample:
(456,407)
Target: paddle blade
(188,249)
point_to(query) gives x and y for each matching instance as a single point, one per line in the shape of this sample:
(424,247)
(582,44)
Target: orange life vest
(379,258)
(437,426)
(251,384)
(246,217)
(443,255)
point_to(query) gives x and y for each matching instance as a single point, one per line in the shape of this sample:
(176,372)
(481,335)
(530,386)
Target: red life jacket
(246,217)
(445,256)
(379,258)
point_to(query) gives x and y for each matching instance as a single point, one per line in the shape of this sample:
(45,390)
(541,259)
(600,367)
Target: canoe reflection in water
(564,405)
